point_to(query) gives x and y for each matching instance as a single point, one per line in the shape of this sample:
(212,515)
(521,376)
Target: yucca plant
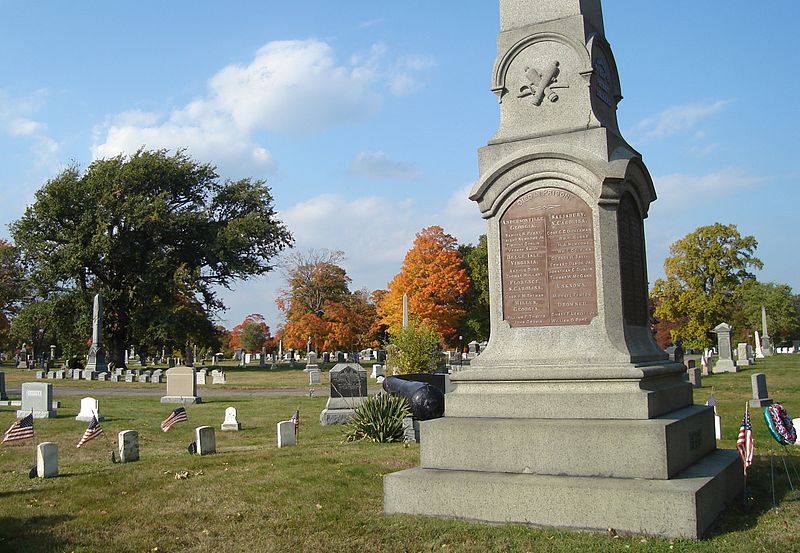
(379,419)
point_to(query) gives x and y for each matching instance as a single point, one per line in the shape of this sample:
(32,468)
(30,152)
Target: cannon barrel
(426,401)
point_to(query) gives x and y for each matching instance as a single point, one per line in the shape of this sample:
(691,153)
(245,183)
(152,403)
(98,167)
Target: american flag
(744,442)
(92,431)
(296,420)
(21,429)
(177,415)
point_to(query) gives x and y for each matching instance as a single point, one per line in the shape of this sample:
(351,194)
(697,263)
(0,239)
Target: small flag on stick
(296,421)
(744,442)
(177,415)
(92,431)
(21,429)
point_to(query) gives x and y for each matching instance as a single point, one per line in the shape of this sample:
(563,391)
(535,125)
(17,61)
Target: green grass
(322,495)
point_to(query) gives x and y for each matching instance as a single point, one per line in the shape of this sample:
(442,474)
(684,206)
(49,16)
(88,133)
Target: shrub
(414,349)
(379,419)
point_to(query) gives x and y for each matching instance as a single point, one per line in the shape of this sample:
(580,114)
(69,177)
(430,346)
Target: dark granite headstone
(348,381)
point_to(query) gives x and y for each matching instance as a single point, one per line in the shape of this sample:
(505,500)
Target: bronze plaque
(632,268)
(547,260)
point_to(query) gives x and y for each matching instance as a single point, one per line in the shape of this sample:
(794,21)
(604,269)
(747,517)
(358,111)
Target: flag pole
(35,469)
(110,443)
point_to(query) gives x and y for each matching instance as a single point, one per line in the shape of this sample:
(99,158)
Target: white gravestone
(314,377)
(286,436)
(128,441)
(377,370)
(89,407)
(47,460)
(712,402)
(230,422)
(206,440)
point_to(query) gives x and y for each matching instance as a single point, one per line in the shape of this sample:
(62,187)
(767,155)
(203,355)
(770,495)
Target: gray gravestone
(348,390)
(694,377)
(725,363)
(181,386)
(3,395)
(128,444)
(766,342)
(565,198)
(761,398)
(97,355)
(47,460)
(314,377)
(286,435)
(206,440)
(37,397)
(742,358)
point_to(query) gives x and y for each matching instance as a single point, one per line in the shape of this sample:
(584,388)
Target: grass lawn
(321,495)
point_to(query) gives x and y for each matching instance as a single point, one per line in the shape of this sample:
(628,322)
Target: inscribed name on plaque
(547,260)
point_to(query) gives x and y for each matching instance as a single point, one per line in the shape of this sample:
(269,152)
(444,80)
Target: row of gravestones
(157,376)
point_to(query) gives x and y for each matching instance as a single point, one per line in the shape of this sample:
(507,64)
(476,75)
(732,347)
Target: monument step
(683,507)
(586,399)
(656,448)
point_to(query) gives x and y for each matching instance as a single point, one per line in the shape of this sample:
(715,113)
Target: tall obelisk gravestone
(96,361)
(572,416)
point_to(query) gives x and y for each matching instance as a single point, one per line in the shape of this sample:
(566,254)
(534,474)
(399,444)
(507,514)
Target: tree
(783,318)
(703,272)
(317,303)
(476,301)
(251,334)
(436,282)
(12,288)
(156,235)
(413,349)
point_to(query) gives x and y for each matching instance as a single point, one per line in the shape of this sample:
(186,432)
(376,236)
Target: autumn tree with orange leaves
(318,303)
(252,334)
(435,280)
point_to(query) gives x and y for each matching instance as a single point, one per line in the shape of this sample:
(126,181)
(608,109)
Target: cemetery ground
(321,495)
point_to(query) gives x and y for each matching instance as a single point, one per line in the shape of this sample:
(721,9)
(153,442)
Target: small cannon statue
(426,401)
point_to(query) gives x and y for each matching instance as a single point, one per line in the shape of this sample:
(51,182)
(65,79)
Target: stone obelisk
(766,341)
(405,310)
(96,361)
(571,416)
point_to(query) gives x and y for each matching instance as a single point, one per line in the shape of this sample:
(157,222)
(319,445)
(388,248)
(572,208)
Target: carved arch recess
(502,66)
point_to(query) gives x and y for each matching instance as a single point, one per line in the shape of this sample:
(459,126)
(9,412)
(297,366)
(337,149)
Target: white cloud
(461,216)
(405,76)
(676,119)
(294,87)
(682,192)
(16,120)
(378,165)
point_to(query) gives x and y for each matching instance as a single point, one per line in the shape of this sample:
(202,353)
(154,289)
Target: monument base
(726,366)
(339,410)
(761,403)
(181,399)
(51,414)
(683,507)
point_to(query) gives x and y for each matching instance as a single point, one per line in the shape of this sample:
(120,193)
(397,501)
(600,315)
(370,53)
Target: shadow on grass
(738,516)
(31,534)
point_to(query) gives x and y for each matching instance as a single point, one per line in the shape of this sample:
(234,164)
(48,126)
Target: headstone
(89,407)
(47,460)
(759,350)
(761,398)
(77,374)
(102,377)
(37,397)
(348,390)
(705,363)
(712,402)
(286,435)
(694,377)
(157,376)
(128,443)
(201,376)
(117,378)
(311,365)
(766,342)
(340,357)
(725,363)
(144,378)
(377,370)
(326,357)
(314,377)
(3,395)
(230,422)
(691,364)
(181,386)
(218,378)
(380,356)
(565,198)
(40,375)
(473,347)
(96,361)
(262,360)
(741,355)
(750,356)
(410,430)
(679,352)
(205,439)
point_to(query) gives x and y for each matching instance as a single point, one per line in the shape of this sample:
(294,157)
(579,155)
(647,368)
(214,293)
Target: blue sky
(365,117)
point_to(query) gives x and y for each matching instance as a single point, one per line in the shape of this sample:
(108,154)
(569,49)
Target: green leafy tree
(253,337)
(702,274)
(13,289)
(156,235)
(414,349)
(783,318)
(476,302)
